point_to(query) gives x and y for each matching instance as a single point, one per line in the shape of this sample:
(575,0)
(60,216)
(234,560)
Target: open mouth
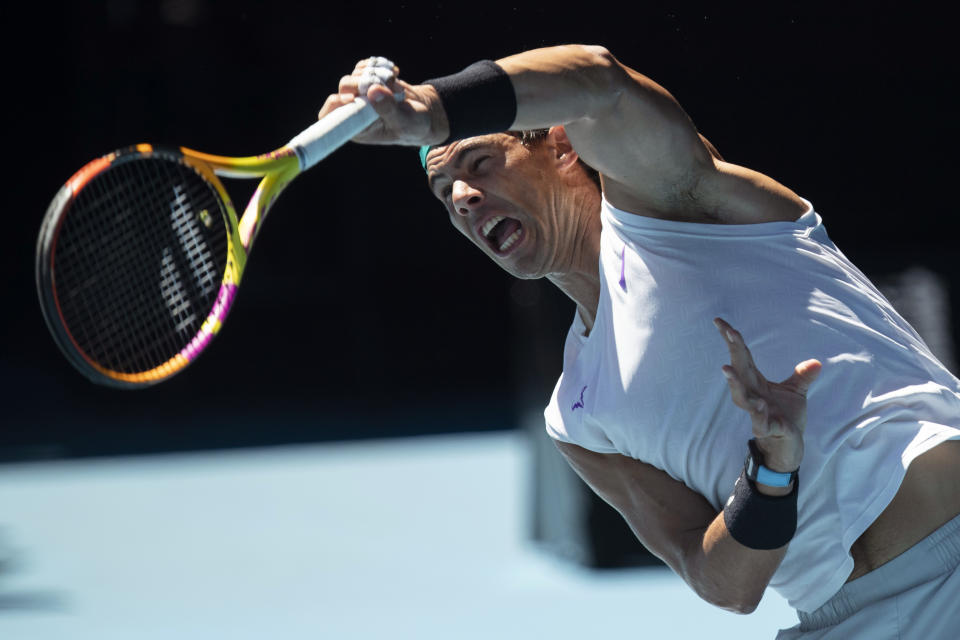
(502,234)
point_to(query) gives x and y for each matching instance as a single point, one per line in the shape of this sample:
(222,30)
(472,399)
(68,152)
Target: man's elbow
(601,61)
(742,603)
(723,586)
(600,53)
(602,77)
(743,608)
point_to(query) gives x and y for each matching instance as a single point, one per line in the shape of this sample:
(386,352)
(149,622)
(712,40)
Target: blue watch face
(772,478)
(756,472)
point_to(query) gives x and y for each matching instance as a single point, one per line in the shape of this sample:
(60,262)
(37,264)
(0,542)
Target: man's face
(503,196)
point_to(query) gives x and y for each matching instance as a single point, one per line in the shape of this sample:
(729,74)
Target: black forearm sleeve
(759,521)
(478,100)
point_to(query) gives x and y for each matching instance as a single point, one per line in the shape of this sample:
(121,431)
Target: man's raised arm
(623,124)
(626,126)
(620,122)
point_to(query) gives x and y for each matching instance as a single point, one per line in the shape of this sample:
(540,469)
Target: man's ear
(564,154)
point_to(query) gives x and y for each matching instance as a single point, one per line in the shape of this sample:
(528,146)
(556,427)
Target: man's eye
(445,193)
(476,163)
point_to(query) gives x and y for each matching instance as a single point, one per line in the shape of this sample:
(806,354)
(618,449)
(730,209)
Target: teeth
(490,224)
(509,242)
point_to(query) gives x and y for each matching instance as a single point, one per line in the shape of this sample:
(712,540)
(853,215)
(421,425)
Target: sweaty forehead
(442,156)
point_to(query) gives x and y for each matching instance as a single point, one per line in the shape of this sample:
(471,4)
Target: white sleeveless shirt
(647,383)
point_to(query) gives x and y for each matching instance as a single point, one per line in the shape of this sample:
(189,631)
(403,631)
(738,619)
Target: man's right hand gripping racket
(140,253)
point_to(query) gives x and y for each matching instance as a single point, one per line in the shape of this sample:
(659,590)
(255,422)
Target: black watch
(759,474)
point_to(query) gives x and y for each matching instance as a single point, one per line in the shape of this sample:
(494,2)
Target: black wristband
(759,521)
(478,100)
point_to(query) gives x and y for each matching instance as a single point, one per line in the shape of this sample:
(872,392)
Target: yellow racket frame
(276,170)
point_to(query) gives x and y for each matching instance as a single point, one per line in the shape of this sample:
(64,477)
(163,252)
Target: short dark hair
(533,138)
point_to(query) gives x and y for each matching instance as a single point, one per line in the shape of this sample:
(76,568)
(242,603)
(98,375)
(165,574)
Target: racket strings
(139,260)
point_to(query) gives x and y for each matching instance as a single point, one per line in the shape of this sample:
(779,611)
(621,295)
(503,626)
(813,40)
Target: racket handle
(331,132)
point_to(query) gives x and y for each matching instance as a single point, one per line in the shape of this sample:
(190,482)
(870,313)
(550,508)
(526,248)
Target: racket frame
(275,169)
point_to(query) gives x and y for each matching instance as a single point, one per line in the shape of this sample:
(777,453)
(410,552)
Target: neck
(583,290)
(580,280)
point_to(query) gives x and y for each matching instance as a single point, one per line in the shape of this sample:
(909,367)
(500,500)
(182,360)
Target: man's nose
(466,198)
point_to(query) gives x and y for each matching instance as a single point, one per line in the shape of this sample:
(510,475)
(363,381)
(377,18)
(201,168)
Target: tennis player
(848,501)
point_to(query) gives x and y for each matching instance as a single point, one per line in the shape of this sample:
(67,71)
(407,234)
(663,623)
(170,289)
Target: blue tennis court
(404,538)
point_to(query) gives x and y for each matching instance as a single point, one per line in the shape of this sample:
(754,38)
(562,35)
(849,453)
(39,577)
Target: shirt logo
(579,403)
(623,268)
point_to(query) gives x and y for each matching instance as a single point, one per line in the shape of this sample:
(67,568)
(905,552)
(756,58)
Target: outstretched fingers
(741,361)
(777,410)
(749,389)
(744,395)
(803,376)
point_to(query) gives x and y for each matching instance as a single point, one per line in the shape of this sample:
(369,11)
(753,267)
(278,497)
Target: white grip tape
(331,132)
(334,130)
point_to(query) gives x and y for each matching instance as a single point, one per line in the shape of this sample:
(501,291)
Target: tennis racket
(141,252)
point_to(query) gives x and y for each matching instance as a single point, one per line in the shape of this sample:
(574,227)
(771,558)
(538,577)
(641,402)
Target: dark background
(362,314)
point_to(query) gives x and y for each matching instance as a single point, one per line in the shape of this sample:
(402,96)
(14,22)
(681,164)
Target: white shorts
(915,595)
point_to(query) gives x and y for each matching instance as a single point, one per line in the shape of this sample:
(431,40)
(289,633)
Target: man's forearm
(724,572)
(719,569)
(679,526)
(732,561)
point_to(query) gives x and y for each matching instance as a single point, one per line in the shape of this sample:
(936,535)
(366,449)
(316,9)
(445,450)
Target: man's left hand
(778,411)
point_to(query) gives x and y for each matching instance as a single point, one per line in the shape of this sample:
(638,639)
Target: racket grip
(331,132)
